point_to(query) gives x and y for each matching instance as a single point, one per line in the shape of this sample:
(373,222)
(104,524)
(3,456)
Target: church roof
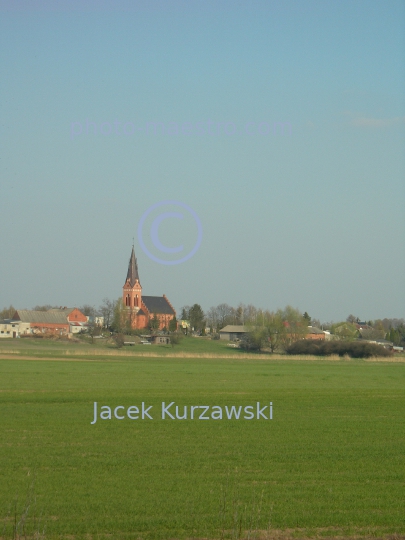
(158,304)
(132,274)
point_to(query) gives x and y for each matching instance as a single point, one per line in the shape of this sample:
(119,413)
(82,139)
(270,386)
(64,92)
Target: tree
(394,336)
(352,319)
(154,322)
(379,330)
(173,325)
(212,319)
(275,330)
(254,338)
(46,307)
(107,311)
(196,317)
(119,340)
(88,310)
(250,314)
(175,338)
(317,323)
(307,318)
(7,313)
(295,325)
(120,317)
(185,313)
(241,314)
(345,331)
(224,315)
(93,329)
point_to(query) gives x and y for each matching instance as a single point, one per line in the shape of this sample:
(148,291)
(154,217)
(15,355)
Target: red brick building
(141,309)
(73,315)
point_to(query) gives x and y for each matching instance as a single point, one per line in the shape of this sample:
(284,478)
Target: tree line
(273,328)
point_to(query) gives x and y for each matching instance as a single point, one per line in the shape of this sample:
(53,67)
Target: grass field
(330,463)
(47,348)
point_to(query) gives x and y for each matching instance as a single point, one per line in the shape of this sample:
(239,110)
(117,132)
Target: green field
(330,463)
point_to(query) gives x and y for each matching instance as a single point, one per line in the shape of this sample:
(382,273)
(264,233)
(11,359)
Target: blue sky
(314,219)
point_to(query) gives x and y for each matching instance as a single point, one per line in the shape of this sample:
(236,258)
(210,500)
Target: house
(232,332)
(161,340)
(315,334)
(73,315)
(9,328)
(141,309)
(60,321)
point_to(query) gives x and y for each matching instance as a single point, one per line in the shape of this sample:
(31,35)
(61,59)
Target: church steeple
(132,289)
(132,274)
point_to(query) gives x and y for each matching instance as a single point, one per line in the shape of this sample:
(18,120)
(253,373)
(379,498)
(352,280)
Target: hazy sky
(315,218)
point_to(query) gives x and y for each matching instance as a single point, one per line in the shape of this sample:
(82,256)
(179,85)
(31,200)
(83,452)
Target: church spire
(132,274)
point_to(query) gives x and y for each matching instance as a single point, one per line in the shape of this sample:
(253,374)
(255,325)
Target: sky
(253,152)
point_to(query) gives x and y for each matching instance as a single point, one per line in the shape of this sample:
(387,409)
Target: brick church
(141,308)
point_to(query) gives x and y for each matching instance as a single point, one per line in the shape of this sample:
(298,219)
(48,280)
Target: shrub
(119,340)
(354,349)
(252,341)
(176,338)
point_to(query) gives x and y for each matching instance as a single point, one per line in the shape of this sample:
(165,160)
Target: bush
(176,338)
(354,349)
(119,340)
(252,341)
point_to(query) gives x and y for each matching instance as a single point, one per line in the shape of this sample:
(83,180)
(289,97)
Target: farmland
(330,463)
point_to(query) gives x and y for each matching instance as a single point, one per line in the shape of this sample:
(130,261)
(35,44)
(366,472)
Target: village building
(141,309)
(62,321)
(9,328)
(317,334)
(231,332)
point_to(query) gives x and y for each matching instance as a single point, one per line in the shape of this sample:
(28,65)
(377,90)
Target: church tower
(132,290)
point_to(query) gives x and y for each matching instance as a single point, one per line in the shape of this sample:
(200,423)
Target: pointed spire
(132,274)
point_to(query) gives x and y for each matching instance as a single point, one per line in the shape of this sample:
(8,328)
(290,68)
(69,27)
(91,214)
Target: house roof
(158,304)
(132,274)
(234,328)
(314,330)
(65,310)
(54,317)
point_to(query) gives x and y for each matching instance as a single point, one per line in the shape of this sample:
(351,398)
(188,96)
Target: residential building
(232,332)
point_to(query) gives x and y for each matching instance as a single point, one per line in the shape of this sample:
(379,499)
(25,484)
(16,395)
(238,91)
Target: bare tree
(250,314)
(212,319)
(7,313)
(88,310)
(93,329)
(224,314)
(46,307)
(107,311)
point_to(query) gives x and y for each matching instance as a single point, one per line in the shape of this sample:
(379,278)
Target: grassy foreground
(330,463)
